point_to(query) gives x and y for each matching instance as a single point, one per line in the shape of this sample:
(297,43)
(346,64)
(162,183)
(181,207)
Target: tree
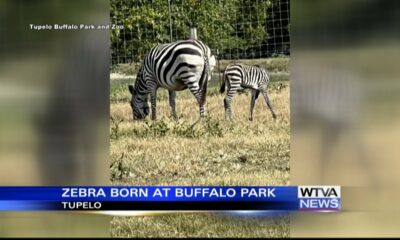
(221,24)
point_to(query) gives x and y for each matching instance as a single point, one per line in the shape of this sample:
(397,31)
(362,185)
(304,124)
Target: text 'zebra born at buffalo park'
(175,66)
(238,76)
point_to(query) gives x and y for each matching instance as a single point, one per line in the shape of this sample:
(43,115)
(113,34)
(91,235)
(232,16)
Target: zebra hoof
(250,119)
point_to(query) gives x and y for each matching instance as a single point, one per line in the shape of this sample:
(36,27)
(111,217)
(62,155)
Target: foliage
(222,24)
(119,168)
(114,134)
(207,127)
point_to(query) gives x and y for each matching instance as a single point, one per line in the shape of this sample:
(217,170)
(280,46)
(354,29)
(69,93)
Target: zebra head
(139,103)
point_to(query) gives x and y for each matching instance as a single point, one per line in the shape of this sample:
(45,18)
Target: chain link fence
(233,29)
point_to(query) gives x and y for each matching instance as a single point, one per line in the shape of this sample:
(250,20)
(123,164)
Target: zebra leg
(265,94)
(153,100)
(202,103)
(228,108)
(199,94)
(228,101)
(253,102)
(172,103)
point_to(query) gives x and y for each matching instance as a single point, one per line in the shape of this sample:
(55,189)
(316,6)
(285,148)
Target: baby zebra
(175,66)
(239,76)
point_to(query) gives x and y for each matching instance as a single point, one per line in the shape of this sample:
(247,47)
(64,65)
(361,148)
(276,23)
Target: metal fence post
(170,20)
(193,33)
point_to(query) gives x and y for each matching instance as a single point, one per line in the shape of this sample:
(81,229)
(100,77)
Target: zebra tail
(204,92)
(222,89)
(206,73)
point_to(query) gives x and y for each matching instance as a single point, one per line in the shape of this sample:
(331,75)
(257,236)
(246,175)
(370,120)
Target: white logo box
(318,191)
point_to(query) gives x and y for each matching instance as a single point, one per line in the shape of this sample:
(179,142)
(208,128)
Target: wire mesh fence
(233,29)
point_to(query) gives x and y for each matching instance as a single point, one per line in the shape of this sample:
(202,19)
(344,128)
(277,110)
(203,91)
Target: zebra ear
(131,88)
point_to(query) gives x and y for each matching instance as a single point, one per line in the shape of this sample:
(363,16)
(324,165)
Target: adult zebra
(175,66)
(240,76)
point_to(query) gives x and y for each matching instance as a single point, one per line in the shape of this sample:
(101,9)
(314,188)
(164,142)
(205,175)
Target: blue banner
(171,198)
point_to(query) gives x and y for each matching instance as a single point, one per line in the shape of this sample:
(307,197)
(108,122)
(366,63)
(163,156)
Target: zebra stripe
(176,66)
(238,76)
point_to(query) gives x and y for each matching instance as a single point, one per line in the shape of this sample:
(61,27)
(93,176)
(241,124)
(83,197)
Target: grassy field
(208,152)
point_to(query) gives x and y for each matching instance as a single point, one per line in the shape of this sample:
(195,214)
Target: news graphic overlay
(171,198)
(319,198)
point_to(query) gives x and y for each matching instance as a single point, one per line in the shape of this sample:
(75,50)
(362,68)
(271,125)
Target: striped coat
(238,76)
(176,66)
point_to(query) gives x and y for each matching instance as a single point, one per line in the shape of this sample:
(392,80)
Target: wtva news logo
(319,198)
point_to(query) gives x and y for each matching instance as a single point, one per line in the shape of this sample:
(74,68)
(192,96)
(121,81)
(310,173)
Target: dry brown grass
(213,152)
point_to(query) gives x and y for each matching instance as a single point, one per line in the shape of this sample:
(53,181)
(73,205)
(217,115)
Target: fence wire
(233,29)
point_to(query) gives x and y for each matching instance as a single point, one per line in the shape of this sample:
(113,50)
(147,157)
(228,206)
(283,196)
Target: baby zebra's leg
(232,89)
(265,94)
(254,96)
